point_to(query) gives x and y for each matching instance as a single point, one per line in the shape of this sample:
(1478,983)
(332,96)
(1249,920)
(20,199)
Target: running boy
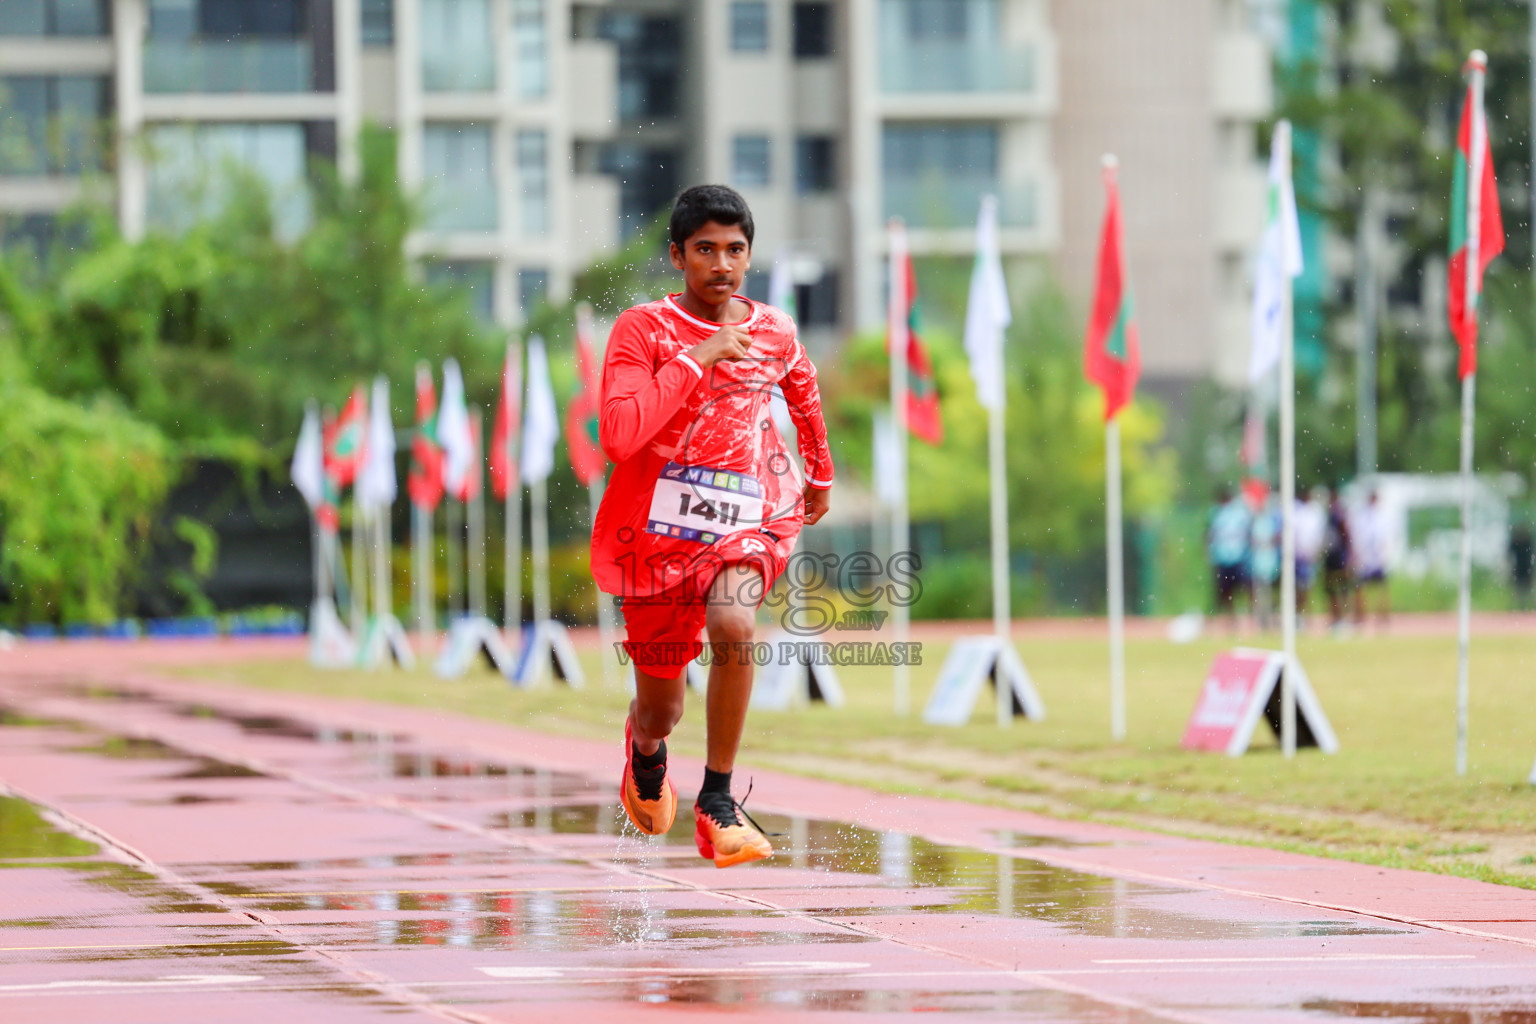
(704,505)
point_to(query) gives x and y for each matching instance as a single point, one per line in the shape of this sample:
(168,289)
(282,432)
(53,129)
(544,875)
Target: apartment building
(543,131)
(488,97)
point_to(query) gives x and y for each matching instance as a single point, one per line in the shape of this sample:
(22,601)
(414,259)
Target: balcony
(460,206)
(963,66)
(240,66)
(470,68)
(952,202)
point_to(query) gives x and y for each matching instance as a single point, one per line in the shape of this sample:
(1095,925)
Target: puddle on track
(393,900)
(1425,1013)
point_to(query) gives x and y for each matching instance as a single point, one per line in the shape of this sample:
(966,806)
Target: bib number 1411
(728,513)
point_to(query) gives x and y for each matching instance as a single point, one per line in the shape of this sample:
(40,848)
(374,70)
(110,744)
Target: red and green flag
(344,438)
(1475,222)
(923,418)
(507,424)
(587,457)
(425,482)
(1112,350)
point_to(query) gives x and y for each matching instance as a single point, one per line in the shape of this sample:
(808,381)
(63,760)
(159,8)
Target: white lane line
(754,967)
(164,981)
(1324,958)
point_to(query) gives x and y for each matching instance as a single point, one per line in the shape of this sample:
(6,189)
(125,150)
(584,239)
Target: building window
(460,183)
(229,19)
(749,26)
(751,161)
(948,20)
(472,278)
(533,177)
(456,50)
(813,30)
(53,124)
(532,287)
(815,166)
(935,175)
(530,37)
(959,150)
(53,17)
(378,22)
(816,303)
(650,56)
(198,170)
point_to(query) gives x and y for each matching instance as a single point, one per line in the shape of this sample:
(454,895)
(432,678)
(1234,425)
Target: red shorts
(661,631)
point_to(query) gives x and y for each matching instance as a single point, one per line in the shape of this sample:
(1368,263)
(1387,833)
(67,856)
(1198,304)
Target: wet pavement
(173,851)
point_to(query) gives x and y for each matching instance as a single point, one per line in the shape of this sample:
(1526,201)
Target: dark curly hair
(700,204)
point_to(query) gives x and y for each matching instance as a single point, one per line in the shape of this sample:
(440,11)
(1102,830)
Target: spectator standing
(1265,562)
(1227,541)
(1522,563)
(1337,561)
(1311,530)
(1368,534)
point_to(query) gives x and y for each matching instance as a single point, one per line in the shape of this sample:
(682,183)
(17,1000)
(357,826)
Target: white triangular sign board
(963,677)
(547,647)
(468,638)
(385,639)
(1242,687)
(330,644)
(791,667)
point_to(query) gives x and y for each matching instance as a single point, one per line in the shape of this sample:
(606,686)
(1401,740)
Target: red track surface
(262,857)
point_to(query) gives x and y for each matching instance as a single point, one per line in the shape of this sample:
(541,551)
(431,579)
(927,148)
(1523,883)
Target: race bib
(703,504)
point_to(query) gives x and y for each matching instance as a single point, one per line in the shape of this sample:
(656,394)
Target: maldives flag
(425,482)
(344,440)
(587,457)
(1112,350)
(923,419)
(509,418)
(1475,220)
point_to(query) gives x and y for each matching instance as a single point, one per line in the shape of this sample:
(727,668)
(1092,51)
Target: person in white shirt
(1311,530)
(1368,529)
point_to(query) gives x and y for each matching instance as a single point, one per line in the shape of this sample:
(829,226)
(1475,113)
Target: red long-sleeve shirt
(661,409)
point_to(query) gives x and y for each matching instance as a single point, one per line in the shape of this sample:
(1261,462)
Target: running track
(212,854)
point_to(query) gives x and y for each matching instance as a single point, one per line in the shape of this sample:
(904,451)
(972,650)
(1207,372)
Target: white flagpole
(1001,612)
(359,595)
(422,583)
(1114,539)
(475,508)
(1479,65)
(606,624)
(901,539)
(512,589)
(1282,141)
(540,523)
(453,539)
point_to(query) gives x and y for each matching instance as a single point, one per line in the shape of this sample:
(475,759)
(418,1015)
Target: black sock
(646,762)
(716,782)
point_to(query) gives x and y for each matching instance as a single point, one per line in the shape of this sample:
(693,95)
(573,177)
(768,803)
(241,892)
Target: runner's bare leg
(731,618)
(656,709)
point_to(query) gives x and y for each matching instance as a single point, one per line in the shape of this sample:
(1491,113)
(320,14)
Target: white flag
(453,431)
(308,468)
(1279,257)
(781,286)
(890,481)
(541,423)
(376,483)
(987,314)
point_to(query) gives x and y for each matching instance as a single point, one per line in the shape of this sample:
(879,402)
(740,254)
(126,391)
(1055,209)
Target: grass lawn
(1390,796)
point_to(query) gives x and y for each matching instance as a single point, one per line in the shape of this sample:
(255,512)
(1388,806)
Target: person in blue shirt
(1228,541)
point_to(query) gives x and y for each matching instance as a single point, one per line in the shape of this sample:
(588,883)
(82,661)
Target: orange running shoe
(648,799)
(725,834)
